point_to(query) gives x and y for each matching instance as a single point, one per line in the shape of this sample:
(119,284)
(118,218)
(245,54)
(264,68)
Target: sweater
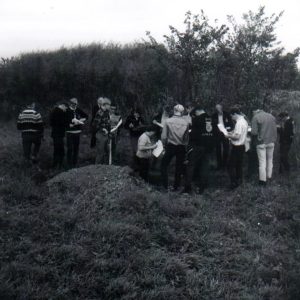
(175,131)
(74,114)
(202,131)
(264,127)
(30,120)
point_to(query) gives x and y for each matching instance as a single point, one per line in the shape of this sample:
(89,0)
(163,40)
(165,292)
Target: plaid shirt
(101,121)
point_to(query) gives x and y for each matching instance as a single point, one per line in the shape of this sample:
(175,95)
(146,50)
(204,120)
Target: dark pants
(114,141)
(179,152)
(235,164)
(102,148)
(222,150)
(144,165)
(93,140)
(73,141)
(133,144)
(197,168)
(29,139)
(252,164)
(284,157)
(58,151)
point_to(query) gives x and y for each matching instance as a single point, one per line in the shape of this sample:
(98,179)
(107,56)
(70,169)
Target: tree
(190,51)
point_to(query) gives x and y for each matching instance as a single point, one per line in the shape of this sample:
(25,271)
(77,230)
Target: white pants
(265,160)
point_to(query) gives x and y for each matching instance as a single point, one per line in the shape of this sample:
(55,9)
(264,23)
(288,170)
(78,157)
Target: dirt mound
(96,180)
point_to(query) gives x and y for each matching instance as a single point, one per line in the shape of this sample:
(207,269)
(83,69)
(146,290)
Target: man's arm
(254,126)
(164,134)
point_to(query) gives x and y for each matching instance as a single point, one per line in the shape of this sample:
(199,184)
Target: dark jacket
(137,128)
(202,131)
(58,122)
(228,123)
(286,132)
(95,109)
(70,115)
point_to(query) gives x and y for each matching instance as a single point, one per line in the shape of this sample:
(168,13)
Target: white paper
(223,129)
(159,149)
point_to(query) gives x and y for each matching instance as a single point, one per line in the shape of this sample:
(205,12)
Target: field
(97,233)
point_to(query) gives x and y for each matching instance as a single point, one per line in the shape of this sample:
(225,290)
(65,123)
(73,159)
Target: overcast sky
(28,25)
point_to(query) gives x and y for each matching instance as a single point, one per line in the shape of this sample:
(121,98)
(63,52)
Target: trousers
(179,152)
(265,160)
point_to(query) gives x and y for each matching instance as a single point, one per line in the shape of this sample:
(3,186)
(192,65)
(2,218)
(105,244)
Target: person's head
(219,108)
(189,107)
(283,115)
(198,111)
(151,130)
(235,113)
(178,110)
(114,110)
(63,106)
(136,113)
(104,103)
(31,105)
(73,103)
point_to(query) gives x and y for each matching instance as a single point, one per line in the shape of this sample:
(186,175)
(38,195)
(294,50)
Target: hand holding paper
(159,149)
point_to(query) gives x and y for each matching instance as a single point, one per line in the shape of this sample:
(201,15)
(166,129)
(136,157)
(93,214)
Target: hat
(73,101)
(178,108)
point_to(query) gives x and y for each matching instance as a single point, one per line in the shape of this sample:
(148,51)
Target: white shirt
(220,119)
(240,132)
(144,141)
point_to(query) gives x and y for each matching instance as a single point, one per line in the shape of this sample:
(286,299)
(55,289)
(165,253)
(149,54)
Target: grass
(97,233)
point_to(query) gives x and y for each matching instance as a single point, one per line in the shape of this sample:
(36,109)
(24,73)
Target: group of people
(66,121)
(190,135)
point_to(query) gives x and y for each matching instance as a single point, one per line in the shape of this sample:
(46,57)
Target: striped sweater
(30,121)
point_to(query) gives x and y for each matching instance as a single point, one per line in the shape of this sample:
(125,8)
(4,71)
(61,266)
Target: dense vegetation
(205,63)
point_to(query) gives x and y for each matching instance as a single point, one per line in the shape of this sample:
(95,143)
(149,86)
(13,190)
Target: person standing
(31,124)
(58,122)
(237,138)
(286,135)
(134,123)
(101,127)
(201,143)
(95,109)
(175,139)
(264,132)
(75,121)
(144,151)
(222,143)
(115,124)
(160,119)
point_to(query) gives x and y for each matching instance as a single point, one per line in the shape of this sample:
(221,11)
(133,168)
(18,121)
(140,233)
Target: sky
(31,25)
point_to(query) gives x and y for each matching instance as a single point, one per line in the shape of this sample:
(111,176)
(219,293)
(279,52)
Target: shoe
(262,183)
